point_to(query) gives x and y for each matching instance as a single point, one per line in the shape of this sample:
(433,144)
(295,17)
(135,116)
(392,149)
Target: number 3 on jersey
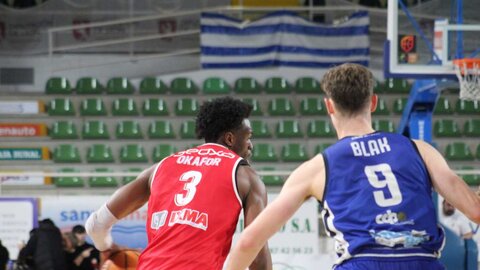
(390,182)
(192,179)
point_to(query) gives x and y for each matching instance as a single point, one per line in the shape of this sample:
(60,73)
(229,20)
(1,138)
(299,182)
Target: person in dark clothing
(86,256)
(46,248)
(4,257)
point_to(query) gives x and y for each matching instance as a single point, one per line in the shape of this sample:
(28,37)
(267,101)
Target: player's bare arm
(448,184)
(124,201)
(254,197)
(306,181)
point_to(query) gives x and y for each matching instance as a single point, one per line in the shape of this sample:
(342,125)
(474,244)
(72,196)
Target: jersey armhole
(325,161)
(239,162)
(152,177)
(423,161)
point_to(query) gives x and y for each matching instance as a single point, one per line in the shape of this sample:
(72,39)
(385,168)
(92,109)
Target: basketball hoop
(468,73)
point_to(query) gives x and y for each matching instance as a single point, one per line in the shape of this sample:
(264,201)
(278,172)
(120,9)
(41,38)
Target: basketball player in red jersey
(194,196)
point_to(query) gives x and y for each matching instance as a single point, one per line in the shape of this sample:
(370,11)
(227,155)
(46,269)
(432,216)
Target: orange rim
(469,63)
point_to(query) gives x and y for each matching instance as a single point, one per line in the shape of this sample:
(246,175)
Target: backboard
(424,38)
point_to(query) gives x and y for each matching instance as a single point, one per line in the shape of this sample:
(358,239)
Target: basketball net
(468,74)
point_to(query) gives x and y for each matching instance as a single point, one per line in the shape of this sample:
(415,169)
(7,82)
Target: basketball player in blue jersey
(375,189)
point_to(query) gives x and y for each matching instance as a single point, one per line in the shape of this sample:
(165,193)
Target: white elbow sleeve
(99,225)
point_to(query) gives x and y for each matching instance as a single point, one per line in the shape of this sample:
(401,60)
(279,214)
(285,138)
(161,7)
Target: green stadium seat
(58,86)
(289,129)
(128,129)
(294,152)
(119,86)
(458,151)
(382,108)
(128,179)
(187,130)
(443,107)
(446,128)
(471,128)
(257,110)
(399,104)
(183,86)
(186,107)
(271,180)
(379,88)
(321,147)
(383,125)
(88,86)
(68,181)
(161,130)
(264,152)
(95,130)
(132,153)
(281,107)
(312,106)
(162,151)
(99,153)
(61,107)
(260,129)
(63,130)
(307,85)
(152,86)
(102,181)
(277,85)
(467,107)
(247,85)
(399,86)
(470,179)
(320,129)
(154,107)
(216,85)
(66,153)
(93,107)
(124,107)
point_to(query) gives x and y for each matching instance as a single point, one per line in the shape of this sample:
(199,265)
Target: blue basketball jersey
(377,200)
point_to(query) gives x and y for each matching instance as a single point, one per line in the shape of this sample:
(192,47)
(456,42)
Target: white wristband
(99,225)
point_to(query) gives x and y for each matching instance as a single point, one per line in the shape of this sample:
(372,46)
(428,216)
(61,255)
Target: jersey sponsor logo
(185,216)
(370,148)
(198,161)
(190,217)
(392,218)
(205,152)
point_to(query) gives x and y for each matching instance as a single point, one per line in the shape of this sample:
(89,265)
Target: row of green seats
(212,85)
(135,153)
(183,107)
(262,152)
(448,128)
(130,129)
(94,181)
(460,151)
(112,181)
(462,107)
(102,153)
(189,107)
(182,85)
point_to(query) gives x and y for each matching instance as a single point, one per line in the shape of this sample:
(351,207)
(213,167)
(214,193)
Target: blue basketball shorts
(391,264)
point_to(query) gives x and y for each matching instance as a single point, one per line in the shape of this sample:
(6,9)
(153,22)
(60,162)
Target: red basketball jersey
(193,210)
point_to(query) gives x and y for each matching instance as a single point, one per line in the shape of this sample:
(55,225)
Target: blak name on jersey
(371,147)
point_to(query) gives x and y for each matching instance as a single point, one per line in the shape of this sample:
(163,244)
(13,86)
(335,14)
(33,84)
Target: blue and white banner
(283,39)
